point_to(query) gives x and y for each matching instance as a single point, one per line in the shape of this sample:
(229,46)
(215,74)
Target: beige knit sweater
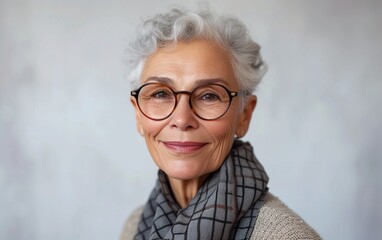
(275,221)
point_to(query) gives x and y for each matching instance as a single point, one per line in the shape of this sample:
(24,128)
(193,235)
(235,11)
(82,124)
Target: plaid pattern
(225,207)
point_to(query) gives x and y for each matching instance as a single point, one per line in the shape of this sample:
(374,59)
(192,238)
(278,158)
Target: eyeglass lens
(158,101)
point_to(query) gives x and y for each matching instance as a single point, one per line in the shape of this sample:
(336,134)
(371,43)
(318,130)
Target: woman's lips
(184,147)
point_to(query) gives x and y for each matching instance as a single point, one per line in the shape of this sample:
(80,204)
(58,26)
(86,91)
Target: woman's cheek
(223,138)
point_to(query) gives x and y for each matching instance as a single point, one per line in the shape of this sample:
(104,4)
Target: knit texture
(275,221)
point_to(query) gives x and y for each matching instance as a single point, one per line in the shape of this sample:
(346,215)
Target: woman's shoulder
(277,221)
(131,224)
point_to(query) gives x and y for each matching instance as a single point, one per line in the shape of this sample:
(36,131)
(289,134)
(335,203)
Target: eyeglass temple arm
(240,93)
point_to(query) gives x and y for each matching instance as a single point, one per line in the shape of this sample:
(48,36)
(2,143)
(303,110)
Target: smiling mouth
(184,147)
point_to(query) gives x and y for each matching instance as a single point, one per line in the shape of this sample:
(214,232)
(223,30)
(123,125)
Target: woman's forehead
(196,62)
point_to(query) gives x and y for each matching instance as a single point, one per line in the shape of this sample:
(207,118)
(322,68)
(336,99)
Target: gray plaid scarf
(225,207)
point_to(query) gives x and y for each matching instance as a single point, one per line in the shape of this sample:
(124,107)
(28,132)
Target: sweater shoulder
(277,221)
(131,224)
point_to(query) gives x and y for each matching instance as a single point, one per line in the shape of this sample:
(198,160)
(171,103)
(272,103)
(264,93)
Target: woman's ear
(137,116)
(245,116)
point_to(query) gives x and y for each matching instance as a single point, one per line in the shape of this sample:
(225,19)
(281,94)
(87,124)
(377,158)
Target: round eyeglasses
(158,101)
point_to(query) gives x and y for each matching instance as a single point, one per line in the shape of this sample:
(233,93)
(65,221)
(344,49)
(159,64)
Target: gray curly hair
(180,25)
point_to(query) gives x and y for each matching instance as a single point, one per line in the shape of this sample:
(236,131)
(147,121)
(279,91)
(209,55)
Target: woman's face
(184,146)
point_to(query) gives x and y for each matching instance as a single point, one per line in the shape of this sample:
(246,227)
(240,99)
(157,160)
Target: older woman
(194,76)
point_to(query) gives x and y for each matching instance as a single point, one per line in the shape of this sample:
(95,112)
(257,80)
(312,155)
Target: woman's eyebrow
(211,81)
(164,80)
(199,82)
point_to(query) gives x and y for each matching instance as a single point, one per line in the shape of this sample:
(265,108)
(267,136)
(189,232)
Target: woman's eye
(161,94)
(210,97)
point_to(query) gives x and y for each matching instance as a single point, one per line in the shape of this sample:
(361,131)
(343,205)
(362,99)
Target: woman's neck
(185,190)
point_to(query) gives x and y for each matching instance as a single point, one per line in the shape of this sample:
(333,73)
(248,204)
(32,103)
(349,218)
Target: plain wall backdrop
(72,165)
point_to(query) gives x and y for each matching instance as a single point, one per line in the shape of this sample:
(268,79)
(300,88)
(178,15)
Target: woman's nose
(183,116)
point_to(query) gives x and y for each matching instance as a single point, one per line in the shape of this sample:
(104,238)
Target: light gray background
(73,167)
